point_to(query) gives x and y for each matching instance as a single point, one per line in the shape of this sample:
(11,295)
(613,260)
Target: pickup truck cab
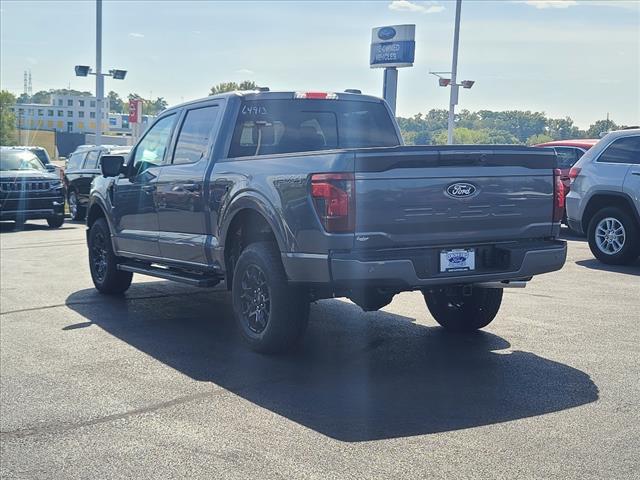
(291,197)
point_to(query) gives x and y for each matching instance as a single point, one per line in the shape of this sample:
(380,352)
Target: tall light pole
(84,70)
(99,79)
(453,97)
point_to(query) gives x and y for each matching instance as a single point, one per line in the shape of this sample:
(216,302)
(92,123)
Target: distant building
(71,113)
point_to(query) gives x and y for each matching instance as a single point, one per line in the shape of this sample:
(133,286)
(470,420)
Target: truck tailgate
(448,196)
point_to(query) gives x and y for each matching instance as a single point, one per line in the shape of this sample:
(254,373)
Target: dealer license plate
(457,260)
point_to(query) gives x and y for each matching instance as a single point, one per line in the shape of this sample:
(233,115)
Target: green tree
(539,138)
(116,103)
(41,97)
(149,107)
(7,118)
(601,126)
(232,86)
(562,129)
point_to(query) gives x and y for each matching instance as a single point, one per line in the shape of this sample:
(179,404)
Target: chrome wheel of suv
(614,236)
(610,235)
(75,210)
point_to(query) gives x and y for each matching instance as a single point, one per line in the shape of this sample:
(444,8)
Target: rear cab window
(277,126)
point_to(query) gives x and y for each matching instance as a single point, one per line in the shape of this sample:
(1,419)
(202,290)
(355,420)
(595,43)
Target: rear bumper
(345,270)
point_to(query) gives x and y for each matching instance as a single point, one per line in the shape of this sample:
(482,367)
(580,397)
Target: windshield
(19,160)
(268,127)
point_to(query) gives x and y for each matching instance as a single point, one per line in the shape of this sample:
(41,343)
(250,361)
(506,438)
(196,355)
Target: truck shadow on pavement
(356,377)
(593,264)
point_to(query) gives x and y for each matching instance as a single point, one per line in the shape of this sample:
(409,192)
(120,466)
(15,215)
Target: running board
(176,276)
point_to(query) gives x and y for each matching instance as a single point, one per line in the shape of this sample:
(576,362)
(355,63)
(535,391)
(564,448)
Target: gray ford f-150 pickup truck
(294,197)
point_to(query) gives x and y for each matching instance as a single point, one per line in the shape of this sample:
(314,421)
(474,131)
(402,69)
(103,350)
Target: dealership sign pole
(392,47)
(135,117)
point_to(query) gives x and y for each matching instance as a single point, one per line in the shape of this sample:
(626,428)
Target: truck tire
(271,315)
(464,313)
(75,210)
(614,236)
(55,221)
(103,262)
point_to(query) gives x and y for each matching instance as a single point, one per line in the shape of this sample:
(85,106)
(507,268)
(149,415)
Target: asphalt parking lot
(156,384)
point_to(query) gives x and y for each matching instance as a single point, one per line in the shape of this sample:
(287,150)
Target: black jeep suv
(27,190)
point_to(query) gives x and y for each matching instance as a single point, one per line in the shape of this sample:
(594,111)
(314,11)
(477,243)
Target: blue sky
(575,58)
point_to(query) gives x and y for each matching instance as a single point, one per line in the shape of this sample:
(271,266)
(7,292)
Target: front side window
(195,134)
(75,161)
(266,127)
(151,149)
(622,150)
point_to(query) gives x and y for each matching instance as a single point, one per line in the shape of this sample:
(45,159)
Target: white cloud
(540,4)
(136,35)
(245,71)
(422,7)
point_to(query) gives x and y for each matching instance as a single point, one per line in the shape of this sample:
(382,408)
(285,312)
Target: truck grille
(24,186)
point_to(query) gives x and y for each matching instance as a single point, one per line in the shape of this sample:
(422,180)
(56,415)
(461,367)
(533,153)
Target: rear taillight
(333,198)
(573,173)
(558,196)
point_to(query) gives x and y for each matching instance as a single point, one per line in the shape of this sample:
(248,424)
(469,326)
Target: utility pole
(453,97)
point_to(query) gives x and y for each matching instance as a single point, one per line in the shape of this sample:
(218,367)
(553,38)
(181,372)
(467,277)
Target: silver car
(604,201)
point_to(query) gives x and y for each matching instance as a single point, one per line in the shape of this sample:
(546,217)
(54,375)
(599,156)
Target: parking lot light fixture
(82,70)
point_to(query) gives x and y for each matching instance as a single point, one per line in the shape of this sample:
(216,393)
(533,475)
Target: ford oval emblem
(461,190)
(386,33)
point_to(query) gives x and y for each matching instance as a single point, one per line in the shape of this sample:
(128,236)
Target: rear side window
(91,163)
(75,161)
(622,150)
(267,127)
(567,157)
(195,134)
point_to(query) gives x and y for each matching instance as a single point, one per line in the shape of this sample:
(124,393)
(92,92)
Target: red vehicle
(569,152)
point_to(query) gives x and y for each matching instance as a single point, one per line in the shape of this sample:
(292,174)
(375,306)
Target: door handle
(149,188)
(190,187)
(635,173)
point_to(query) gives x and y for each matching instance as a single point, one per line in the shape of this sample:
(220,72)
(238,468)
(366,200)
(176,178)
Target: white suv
(604,201)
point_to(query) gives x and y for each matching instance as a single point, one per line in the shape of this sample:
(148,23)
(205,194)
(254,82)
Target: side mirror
(50,167)
(111,165)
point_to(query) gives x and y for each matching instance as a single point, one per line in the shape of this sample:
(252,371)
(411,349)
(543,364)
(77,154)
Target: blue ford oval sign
(386,33)
(461,190)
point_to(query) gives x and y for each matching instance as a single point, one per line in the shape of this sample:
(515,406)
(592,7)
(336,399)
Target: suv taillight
(558,196)
(573,173)
(333,198)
